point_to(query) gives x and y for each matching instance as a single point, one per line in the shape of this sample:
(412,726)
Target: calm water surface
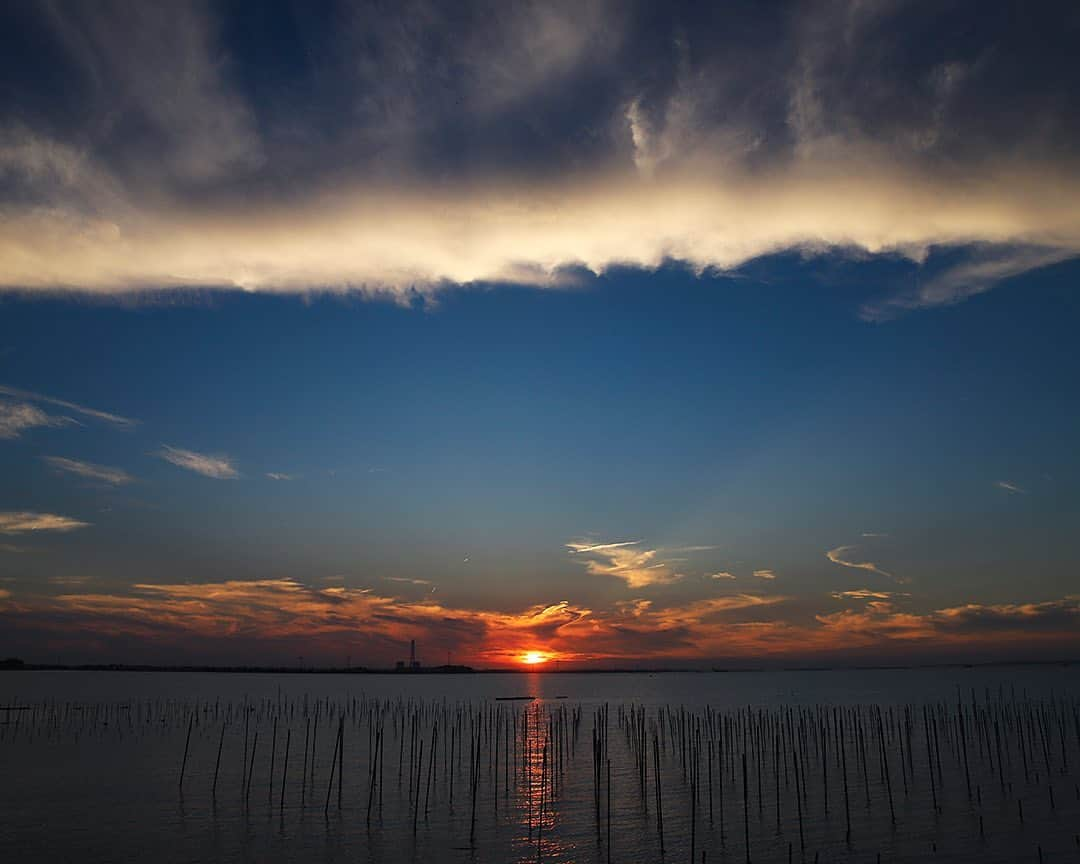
(92,763)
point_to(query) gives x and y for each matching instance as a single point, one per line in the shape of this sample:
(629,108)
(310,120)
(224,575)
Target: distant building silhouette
(413,663)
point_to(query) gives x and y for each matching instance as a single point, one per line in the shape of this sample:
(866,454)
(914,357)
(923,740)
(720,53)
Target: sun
(534,658)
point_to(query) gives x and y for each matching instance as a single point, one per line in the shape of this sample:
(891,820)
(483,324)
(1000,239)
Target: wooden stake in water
(273,753)
(285,769)
(251,769)
(217,764)
(659,797)
(333,766)
(303,772)
(798,800)
(608,811)
(187,743)
(746,809)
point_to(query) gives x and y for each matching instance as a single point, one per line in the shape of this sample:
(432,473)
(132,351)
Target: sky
(612,334)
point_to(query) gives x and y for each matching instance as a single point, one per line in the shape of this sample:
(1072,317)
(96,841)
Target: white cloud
(26,521)
(393,241)
(215,466)
(600,547)
(1011,488)
(277,475)
(956,284)
(17,417)
(765,574)
(89,471)
(93,413)
(637,567)
(709,148)
(723,574)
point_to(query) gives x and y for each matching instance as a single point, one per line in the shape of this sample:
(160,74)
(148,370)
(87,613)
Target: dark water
(91,764)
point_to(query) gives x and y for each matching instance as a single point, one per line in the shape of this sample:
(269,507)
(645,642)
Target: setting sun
(534,658)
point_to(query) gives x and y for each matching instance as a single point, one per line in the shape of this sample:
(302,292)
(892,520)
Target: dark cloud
(181,144)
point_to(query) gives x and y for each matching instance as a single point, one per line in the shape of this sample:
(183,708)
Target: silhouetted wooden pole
(187,743)
(217,763)
(285,769)
(746,809)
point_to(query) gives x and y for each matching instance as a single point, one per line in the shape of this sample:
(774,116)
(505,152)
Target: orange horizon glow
(292,618)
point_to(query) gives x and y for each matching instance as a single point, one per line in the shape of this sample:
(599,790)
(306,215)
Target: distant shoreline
(19,666)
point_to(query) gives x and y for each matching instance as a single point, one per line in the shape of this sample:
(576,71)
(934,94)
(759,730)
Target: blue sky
(464,445)
(623,349)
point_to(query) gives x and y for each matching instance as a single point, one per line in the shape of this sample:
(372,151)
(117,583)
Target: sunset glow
(590,335)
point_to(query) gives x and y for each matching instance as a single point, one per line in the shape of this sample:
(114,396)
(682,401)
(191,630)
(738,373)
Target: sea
(944,764)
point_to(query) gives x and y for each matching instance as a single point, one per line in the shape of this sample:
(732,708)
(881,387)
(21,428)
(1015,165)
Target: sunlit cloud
(1011,488)
(668,161)
(766,574)
(271,610)
(17,417)
(867,594)
(90,471)
(625,560)
(842,555)
(600,547)
(214,466)
(723,574)
(1048,621)
(26,521)
(397,243)
(285,611)
(92,413)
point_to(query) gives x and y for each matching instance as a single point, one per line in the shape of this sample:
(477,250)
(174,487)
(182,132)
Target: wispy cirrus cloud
(90,471)
(867,594)
(279,475)
(92,413)
(1011,488)
(217,467)
(626,560)
(765,574)
(17,417)
(586,548)
(988,266)
(842,555)
(28,521)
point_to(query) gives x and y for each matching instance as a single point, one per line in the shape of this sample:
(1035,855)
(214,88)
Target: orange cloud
(637,567)
(284,614)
